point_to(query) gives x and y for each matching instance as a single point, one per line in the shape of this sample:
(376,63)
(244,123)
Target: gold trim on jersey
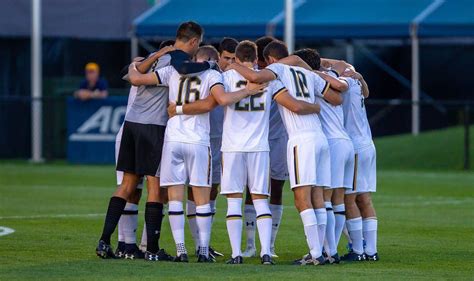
(157,78)
(275,95)
(326,88)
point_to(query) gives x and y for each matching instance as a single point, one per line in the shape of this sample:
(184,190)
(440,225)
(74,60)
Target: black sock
(116,206)
(153,219)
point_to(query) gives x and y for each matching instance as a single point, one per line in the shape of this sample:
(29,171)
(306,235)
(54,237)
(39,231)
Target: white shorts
(186,163)
(119,174)
(278,164)
(342,163)
(365,170)
(216,144)
(241,169)
(309,162)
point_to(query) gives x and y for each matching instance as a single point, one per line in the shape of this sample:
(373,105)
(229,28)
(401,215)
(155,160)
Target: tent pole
(349,52)
(415,81)
(289,26)
(134,46)
(36,84)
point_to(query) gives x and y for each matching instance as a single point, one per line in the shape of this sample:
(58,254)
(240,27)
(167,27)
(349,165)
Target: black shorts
(140,149)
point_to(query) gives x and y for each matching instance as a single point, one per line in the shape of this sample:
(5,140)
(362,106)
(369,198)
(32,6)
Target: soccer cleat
(236,260)
(149,256)
(374,257)
(120,251)
(309,260)
(335,259)
(272,253)
(142,247)
(267,260)
(215,253)
(204,259)
(352,256)
(249,252)
(164,256)
(181,258)
(133,253)
(104,250)
(349,247)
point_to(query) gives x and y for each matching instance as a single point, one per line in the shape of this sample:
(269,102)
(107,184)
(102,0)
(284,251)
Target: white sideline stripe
(51,216)
(92,137)
(6,230)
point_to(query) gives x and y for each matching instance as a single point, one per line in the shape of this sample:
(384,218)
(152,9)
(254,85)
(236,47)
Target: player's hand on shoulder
(255,88)
(165,50)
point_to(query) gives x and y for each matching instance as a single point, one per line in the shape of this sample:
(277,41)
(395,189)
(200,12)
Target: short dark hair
(262,42)
(310,56)
(166,43)
(189,30)
(208,52)
(276,49)
(228,44)
(246,51)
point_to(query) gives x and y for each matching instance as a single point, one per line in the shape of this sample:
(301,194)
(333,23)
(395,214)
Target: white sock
(176,217)
(369,226)
(191,214)
(264,224)
(277,212)
(234,224)
(321,217)
(340,216)
(203,221)
(354,226)
(330,239)
(308,217)
(250,223)
(143,241)
(129,220)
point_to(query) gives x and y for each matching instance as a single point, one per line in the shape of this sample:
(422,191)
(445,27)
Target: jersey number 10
(188,86)
(301,86)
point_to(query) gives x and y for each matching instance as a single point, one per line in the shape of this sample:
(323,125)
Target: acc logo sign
(103,125)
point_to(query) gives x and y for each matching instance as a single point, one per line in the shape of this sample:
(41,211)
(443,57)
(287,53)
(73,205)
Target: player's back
(246,122)
(355,115)
(150,103)
(302,85)
(188,89)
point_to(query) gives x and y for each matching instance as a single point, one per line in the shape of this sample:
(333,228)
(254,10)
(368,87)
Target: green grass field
(426,225)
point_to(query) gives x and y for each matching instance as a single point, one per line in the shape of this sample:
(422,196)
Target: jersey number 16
(188,86)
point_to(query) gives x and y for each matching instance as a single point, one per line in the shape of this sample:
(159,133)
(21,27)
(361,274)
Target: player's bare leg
(114,211)
(277,210)
(317,200)
(203,220)
(354,227)
(153,219)
(369,225)
(250,226)
(304,205)
(264,226)
(234,226)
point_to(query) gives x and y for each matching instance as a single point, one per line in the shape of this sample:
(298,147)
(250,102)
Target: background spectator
(93,86)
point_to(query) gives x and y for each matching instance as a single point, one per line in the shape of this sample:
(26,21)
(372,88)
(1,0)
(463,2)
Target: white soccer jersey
(187,89)
(355,116)
(303,85)
(332,119)
(246,122)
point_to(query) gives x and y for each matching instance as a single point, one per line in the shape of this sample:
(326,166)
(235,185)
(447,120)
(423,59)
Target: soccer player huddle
(246,117)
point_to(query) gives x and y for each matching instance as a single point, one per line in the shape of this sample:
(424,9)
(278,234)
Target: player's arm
(146,64)
(226,98)
(358,76)
(194,108)
(337,65)
(297,106)
(335,83)
(294,60)
(137,78)
(332,96)
(183,66)
(251,75)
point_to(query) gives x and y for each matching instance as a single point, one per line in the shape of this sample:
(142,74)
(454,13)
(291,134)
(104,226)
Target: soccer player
(226,56)
(307,144)
(342,157)
(361,217)
(278,139)
(142,140)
